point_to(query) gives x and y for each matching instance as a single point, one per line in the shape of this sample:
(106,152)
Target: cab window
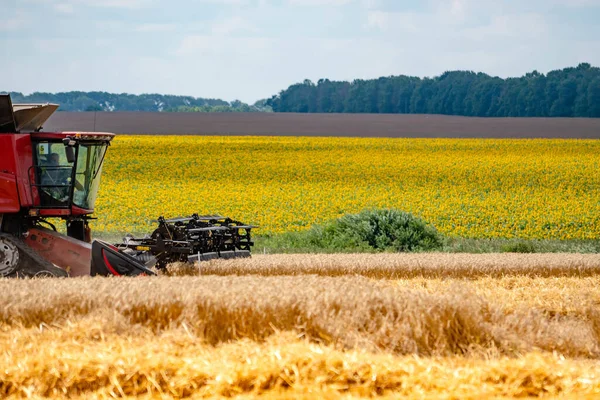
(54,174)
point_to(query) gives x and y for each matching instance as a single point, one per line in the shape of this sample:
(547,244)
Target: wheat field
(403,265)
(281,326)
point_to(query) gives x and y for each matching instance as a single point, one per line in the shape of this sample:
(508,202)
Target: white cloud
(154,28)
(406,22)
(225,2)
(110,26)
(52,46)
(459,9)
(64,8)
(370,4)
(378,19)
(460,20)
(15,22)
(523,26)
(206,45)
(319,2)
(115,3)
(232,25)
(577,3)
(69,6)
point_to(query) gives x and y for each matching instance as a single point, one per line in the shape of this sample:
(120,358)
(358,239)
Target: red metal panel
(16,158)
(9,198)
(7,153)
(72,255)
(24,164)
(55,212)
(77,211)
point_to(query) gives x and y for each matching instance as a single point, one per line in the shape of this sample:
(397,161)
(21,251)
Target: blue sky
(252,49)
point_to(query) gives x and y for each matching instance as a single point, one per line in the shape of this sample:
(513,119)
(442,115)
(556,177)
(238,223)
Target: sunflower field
(475,188)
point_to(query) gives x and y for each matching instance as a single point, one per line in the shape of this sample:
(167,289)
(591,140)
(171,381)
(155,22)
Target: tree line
(570,92)
(103,101)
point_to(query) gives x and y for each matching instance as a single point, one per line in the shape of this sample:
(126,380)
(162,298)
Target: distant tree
(102,101)
(567,92)
(593,98)
(262,105)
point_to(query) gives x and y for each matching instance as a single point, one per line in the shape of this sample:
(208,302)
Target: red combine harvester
(51,175)
(47,175)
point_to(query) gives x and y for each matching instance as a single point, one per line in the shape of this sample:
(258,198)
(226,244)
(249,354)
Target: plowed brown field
(351,125)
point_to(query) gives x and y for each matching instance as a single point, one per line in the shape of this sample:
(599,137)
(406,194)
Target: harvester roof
(23,117)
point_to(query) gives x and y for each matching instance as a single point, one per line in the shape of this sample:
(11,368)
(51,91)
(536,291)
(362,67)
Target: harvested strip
(404,266)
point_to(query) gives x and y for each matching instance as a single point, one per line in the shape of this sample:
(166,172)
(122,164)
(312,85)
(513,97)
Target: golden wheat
(403,265)
(351,312)
(83,362)
(484,326)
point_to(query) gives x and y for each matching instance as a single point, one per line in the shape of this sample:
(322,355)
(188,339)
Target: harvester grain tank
(48,175)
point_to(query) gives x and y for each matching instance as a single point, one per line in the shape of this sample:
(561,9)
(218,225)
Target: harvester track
(30,263)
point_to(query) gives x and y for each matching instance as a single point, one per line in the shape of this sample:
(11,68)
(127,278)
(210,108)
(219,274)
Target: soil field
(298,326)
(348,125)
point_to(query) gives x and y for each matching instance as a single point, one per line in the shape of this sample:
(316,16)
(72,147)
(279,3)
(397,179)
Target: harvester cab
(66,176)
(51,175)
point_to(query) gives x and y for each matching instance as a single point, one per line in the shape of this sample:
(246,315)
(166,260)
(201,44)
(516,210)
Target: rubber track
(30,262)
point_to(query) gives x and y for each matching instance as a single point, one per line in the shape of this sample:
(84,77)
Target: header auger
(190,239)
(57,175)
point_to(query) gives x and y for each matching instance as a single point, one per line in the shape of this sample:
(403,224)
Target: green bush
(375,230)
(519,247)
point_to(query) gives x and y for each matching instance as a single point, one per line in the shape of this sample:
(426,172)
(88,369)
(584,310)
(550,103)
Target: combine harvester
(57,175)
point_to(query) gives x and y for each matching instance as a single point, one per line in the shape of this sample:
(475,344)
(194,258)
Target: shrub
(376,230)
(519,247)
